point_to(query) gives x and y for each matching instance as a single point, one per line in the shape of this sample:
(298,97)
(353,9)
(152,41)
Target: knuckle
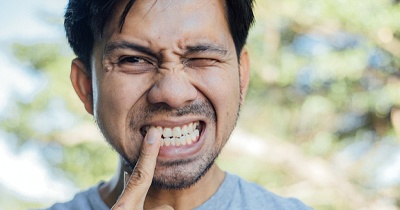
(145,153)
(139,177)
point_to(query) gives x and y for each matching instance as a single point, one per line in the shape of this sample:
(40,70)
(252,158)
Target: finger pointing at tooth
(136,189)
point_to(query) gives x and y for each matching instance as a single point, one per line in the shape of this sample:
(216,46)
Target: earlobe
(82,84)
(244,68)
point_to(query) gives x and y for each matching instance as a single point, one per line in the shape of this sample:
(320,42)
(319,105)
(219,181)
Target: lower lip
(182,151)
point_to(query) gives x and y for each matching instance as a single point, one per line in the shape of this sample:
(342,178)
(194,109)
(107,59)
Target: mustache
(203,108)
(199,108)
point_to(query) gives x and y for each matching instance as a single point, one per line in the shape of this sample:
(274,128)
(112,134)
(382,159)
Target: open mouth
(178,136)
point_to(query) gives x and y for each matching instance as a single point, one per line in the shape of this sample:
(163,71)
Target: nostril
(173,89)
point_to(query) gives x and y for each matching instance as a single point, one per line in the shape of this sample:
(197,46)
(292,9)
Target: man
(165,80)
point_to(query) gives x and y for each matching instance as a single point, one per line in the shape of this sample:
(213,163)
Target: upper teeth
(177,136)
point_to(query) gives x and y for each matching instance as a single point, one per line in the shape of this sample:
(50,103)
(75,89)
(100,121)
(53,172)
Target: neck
(187,198)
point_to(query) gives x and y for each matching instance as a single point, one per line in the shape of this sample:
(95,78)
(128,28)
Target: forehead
(170,20)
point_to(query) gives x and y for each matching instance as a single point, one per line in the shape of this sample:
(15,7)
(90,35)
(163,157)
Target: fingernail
(152,135)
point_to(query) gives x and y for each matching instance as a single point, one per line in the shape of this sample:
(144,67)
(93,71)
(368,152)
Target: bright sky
(24,19)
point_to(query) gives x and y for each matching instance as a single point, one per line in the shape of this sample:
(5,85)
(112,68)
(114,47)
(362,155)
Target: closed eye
(200,62)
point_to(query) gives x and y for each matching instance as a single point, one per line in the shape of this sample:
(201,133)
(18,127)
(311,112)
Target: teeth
(188,140)
(167,141)
(183,140)
(190,128)
(177,132)
(159,128)
(177,136)
(167,132)
(185,130)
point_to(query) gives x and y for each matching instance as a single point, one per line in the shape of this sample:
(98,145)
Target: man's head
(178,66)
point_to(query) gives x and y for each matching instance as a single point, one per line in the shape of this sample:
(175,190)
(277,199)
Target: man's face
(173,66)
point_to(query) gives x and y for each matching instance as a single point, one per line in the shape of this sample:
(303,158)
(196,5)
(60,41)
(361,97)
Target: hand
(135,191)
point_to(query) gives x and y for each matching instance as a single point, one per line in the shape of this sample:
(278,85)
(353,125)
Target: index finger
(139,182)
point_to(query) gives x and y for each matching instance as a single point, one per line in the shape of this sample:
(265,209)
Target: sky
(27,21)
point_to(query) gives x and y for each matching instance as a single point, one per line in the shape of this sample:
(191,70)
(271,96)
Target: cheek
(228,102)
(113,97)
(220,83)
(222,88)
(117,96)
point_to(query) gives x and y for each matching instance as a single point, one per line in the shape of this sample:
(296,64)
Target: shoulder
(255,196)
(237,193)
(88,199)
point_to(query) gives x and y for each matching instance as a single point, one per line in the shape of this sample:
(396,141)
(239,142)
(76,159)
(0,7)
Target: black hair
(85,21)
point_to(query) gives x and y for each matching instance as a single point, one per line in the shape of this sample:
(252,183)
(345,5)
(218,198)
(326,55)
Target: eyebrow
(110,47)
(209,48)
(200,48)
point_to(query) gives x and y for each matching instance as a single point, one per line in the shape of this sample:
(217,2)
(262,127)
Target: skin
(129,84)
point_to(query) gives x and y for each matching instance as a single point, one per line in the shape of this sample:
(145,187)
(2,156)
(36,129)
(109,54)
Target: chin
(179,175)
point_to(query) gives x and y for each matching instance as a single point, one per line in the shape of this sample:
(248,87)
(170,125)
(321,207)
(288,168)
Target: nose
(174,89)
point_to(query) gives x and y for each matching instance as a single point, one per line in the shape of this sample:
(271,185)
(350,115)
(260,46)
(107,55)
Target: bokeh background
(321,121)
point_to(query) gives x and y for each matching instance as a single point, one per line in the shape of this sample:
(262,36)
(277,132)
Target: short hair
(85,21)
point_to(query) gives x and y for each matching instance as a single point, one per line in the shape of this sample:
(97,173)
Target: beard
(181,174)
(178,174)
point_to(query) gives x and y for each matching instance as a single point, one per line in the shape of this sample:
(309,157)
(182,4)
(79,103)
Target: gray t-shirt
(234,193)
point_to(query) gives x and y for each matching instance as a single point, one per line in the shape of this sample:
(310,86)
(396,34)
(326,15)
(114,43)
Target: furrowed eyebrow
(208,48)
(112,46)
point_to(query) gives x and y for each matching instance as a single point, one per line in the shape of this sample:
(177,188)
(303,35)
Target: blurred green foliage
(319,63)
(324,74)
(93,158)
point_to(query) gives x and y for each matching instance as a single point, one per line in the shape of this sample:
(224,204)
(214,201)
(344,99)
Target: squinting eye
(135,65)
(200,62)
(135,60)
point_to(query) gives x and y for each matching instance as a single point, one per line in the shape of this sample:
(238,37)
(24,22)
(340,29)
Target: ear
(82,84)
(244,70)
